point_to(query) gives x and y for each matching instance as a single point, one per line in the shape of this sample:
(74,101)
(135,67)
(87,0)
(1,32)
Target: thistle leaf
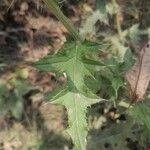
(75,96)
(71,60)
(76,105)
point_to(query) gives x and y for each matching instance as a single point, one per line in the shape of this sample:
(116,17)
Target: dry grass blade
(139,75)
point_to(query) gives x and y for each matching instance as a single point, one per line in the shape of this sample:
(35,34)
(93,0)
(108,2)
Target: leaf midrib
(75,96)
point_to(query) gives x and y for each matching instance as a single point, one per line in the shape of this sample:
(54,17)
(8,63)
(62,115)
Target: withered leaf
(138,76)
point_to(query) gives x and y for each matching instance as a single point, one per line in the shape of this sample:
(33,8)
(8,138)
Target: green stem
(54,8)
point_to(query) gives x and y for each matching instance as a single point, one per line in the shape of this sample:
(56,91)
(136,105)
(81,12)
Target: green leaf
(71,60)
(75,95)
(141,113)
(128,61)
(116,84)
(57,92)
(113,65)
(94,85)
(76,105)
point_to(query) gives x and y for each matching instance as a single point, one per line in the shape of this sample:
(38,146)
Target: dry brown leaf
(138,76)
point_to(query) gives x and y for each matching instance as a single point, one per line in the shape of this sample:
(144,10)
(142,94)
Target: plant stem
(54,8)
